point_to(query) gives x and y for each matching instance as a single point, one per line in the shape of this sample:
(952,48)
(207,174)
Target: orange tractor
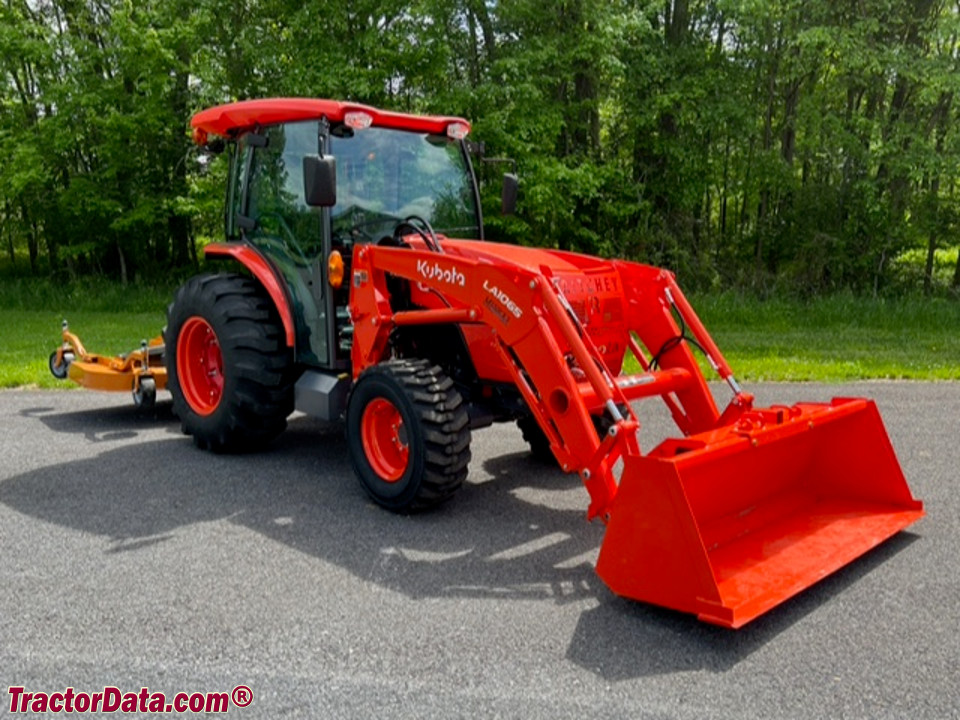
(360,301)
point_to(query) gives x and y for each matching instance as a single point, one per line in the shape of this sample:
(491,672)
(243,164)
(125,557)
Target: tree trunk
(479,10)
(763,206)
(8,226)
(677,21)
(123,264)
(193,248)
(928,267)
(724,192)
(938,121)
(474,49)
(177,225)
(33,237)
(788,141)
(53,254)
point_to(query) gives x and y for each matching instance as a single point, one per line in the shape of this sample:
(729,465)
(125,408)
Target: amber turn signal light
(335,269)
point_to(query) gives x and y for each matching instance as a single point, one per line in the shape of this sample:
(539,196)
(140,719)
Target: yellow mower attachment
(140,372)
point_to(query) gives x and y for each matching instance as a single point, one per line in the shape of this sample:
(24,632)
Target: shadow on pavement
(492,540)
(108,423)
(620,639)
(486,542)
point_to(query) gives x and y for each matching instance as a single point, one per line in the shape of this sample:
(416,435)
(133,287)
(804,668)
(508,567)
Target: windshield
(385,176)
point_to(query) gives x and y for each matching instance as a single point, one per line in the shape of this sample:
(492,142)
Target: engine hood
(559,262)
(592,286)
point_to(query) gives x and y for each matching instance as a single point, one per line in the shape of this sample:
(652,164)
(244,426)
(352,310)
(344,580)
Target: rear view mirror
(508,196)
(320,180)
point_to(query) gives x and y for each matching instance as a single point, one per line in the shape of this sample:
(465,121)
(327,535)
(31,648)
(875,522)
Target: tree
(802,145)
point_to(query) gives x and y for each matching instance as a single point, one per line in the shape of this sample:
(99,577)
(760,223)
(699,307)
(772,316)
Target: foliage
(25,353)
(836,338)
(832,339)
(798,146)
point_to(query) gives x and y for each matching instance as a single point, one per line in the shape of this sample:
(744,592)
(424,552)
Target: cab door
(275,218)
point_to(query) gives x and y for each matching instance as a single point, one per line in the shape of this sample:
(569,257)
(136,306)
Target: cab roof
(234,118)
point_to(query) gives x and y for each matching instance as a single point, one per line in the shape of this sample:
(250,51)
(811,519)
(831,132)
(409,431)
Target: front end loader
(363,297)
(749,507)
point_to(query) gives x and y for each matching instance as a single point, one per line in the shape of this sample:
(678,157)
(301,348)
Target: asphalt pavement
(131,559)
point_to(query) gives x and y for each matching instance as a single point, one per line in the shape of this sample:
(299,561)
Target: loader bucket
(728,524)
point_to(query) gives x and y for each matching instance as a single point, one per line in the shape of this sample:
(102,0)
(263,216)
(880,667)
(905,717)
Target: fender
(253,261)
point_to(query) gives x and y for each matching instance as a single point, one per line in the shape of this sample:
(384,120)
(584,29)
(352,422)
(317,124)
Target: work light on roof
(357,120)
(457,130)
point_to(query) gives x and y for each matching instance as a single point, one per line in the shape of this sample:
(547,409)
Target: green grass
(829,339)
(108,318)
(835,338)
(29,336)
(87,294)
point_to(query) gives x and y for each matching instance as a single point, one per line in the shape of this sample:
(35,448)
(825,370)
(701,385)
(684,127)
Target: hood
(592,286)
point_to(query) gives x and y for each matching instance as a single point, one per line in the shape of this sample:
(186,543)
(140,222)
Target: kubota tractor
(361,301)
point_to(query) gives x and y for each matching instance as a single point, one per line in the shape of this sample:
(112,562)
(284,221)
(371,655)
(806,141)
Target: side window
(275,198)
(232,208)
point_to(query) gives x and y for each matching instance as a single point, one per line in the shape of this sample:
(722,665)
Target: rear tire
(408,434)
(228,367)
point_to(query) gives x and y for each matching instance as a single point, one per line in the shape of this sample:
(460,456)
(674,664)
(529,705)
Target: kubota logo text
(437,272)
(504,299)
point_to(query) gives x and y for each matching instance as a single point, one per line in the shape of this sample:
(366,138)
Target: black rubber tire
(437,430)
(540,446)
(145,396)
(603,422)
(60,371)
(534,437)
(257,395)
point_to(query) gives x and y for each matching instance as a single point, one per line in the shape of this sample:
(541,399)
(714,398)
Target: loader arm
(552,361)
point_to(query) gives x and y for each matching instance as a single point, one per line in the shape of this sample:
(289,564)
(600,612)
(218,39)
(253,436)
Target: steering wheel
(422,228)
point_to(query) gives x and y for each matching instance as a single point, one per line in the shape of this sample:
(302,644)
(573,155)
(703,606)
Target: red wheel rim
(200,366)
(384,439)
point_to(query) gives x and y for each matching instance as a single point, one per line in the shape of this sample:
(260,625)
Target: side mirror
(320,180)
(508,195)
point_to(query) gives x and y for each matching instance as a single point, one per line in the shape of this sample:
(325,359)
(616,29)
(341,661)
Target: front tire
(534,437)
(228,367)
(408,434)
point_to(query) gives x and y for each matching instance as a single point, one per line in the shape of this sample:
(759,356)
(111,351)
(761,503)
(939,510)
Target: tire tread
(251,334)
(444,423)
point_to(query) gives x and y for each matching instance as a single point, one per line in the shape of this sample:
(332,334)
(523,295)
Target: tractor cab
(309,181)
